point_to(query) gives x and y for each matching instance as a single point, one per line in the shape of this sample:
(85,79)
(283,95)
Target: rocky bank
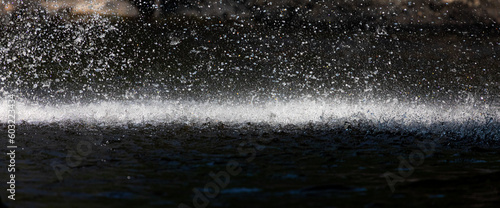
(400,12)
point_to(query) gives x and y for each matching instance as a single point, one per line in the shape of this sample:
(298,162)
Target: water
(327,110)
(54,61)
(462,121)
(114,72)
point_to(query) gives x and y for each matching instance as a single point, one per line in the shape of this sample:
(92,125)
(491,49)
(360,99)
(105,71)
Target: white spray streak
(293,112)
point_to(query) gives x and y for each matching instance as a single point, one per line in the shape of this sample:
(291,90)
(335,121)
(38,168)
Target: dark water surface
(294,166)
(114,112)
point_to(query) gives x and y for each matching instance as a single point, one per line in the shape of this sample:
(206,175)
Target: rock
(6,7)
(79,7)
(102,7)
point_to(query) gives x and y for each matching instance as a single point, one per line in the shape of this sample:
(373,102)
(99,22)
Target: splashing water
(102,70)
(462,121)
(144,112)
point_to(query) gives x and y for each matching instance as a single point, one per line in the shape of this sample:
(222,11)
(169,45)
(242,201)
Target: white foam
(291,112)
